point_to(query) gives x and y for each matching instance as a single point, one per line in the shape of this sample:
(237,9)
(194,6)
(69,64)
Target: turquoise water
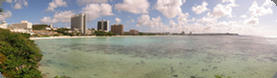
(160,57)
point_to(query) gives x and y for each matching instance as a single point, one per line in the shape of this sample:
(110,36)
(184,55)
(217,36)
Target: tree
(102,33)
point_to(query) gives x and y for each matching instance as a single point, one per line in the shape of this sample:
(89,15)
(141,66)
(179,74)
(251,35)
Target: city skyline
(249,17)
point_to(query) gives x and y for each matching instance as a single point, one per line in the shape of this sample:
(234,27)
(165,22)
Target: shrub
(102,33)
(21,55)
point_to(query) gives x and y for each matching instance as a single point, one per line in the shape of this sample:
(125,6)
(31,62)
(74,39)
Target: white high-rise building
(23,27)
(78,23)
(103,25)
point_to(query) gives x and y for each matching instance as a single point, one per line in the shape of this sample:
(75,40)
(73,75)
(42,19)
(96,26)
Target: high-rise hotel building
(78,23)
(103,25)
(117,29)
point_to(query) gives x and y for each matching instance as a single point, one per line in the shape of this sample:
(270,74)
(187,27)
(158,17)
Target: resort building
(4,25)
(78,23)
(117,29)
(103,25)
(23,27)
(133,32)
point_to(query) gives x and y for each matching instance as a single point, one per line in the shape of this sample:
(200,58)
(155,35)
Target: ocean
(160,57)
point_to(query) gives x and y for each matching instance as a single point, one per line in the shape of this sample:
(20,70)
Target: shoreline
(60,37)
(72,37)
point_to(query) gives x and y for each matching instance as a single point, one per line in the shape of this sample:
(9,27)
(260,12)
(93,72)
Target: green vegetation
(64,31)
(40,27)
(140,33)
(101,33)
(19,55)
(38,35)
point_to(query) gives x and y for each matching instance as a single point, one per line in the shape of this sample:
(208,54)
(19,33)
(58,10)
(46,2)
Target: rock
(175,75)
(172,69)
(142,62)
(204,70)
(214,67)
(192,77)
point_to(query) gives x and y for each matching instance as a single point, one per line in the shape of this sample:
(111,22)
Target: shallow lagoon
(160,57)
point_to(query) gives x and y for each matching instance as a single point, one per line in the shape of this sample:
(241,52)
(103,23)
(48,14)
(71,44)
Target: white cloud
(25,3)
(183,19)
(117,20)
(243,16)
(84,2)
(18,4)
(94,11)
(47,20)
(132,20)
(156,24)
(9,1)
(224,9)
(55,4)
(200,8)
(5,15)
(252,21)
(59,17)
(133,6)
(211,22)
(146,20)
(256,10)
(170,8)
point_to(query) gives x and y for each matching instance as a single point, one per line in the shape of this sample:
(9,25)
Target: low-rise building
(117,29)
(133,32)
(23,27)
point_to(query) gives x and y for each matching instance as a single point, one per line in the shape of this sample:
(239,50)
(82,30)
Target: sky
(246,17)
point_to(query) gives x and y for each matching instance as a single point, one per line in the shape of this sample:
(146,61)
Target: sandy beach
(65,37)
(60,37)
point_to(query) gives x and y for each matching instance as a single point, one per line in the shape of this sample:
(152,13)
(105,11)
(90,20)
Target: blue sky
(249,17)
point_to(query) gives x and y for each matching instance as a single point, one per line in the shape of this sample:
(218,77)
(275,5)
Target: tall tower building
(78,23)
(103,25)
